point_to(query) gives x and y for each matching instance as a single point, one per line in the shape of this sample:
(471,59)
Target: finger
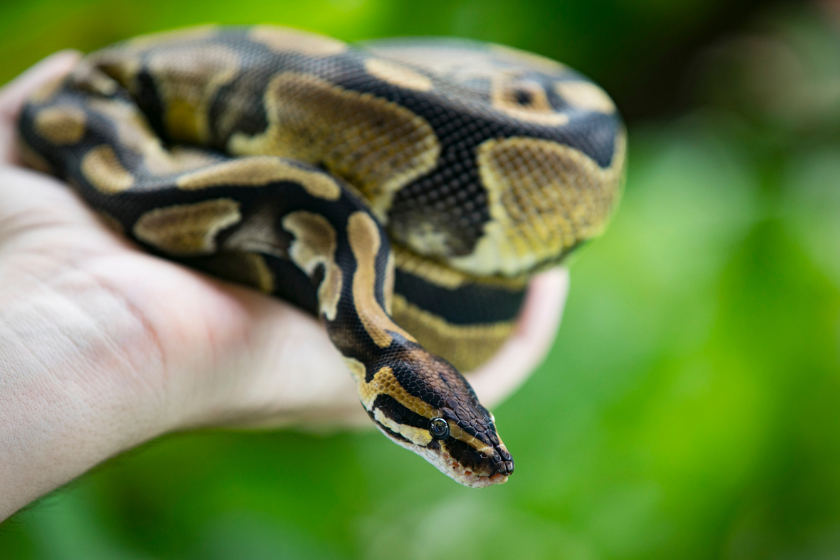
(530,342)
(15,93)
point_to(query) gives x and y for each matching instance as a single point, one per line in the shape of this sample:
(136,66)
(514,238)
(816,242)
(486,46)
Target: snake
(402,190)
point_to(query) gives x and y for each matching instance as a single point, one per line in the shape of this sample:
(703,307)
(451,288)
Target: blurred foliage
(689,408)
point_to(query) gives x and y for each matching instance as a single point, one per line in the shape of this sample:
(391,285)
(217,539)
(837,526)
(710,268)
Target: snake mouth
(488,471)
(464,476)
(479,476)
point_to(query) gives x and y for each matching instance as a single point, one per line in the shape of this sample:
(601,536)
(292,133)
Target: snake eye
(439,428)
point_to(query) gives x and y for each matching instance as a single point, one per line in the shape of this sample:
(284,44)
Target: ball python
(403,190)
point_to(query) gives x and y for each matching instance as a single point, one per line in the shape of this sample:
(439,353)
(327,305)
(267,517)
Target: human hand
(103,347)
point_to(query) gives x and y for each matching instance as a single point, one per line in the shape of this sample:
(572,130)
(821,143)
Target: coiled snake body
(402,190)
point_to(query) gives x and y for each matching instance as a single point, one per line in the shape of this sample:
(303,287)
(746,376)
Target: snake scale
(403,190)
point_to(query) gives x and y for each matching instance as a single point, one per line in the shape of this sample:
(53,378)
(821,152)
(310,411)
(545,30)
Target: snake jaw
(495,470)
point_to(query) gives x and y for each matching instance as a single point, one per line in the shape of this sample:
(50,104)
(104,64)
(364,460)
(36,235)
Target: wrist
(72,395)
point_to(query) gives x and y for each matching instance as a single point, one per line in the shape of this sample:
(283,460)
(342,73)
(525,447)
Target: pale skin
(103,347)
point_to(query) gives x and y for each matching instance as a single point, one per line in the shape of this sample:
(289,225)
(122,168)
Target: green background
(690,407)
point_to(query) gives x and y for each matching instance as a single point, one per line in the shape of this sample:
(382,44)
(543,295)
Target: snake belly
(402,190)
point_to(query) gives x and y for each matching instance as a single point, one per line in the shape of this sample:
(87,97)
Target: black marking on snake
(148,99)
(467,305)
(523,97)
(389,406)
(391,432)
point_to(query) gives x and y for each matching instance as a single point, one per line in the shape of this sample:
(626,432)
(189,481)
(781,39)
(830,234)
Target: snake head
(422,403)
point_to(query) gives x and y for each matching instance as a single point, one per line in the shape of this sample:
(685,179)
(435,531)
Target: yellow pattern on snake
(402,190)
